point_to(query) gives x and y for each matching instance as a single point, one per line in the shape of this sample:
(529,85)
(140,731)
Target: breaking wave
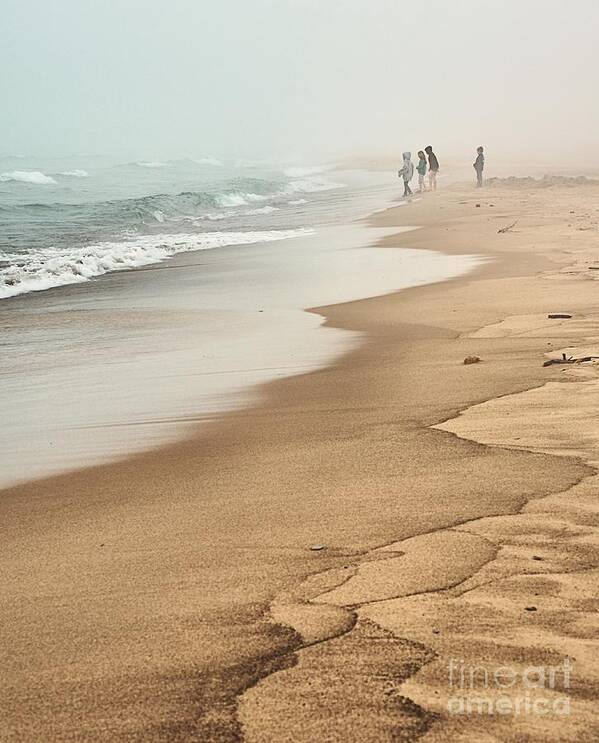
(35,177)
(236,213)
(75,173)
(255,193)
(21,273)
(47,243)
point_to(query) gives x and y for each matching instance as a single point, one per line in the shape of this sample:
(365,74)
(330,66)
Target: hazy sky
(298,78)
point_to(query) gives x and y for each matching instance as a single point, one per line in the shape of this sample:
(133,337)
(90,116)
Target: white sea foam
(230,214)
(239,199)
(297,202)
(151,164)
(35,177)
(231,199)
(21,273)
(75,173)
(311,184)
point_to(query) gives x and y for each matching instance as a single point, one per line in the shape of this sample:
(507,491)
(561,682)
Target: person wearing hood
(433,168)
(479,165)
(407,173)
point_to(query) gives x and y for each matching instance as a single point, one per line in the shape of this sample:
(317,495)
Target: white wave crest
(234,213)
(35,177)
(21,273)
(238,199)
(75,173)
(312,184)
(151,164)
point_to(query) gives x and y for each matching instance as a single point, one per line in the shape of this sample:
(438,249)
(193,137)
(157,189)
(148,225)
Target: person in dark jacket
(433,168)
(479,165)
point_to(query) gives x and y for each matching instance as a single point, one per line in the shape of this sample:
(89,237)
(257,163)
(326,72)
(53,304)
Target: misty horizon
(299,81)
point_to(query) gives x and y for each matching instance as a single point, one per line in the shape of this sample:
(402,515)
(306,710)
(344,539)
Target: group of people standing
(407,170)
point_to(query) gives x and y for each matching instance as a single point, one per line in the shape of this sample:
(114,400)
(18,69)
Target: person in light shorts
(433,168)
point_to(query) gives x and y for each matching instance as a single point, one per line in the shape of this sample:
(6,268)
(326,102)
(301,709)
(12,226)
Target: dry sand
(173,596)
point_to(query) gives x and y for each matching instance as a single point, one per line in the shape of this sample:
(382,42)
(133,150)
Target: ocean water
(68,221)
(99,361)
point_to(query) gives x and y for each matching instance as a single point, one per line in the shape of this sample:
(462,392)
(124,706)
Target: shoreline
(137,360)
(340,456)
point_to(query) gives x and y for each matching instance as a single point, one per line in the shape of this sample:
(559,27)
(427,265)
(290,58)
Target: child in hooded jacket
(407,173)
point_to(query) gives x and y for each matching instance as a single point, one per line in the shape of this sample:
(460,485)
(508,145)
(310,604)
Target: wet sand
(136,359)
(174,595)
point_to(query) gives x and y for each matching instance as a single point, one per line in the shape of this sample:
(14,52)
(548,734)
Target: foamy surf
(47,216)
(34,177)
(238,199)
(231,214)
(21,273)
(311,184)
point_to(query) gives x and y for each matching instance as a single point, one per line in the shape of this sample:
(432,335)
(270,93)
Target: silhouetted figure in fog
(433,168)
(479,166)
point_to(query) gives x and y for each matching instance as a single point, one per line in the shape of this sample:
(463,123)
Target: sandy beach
(174,595)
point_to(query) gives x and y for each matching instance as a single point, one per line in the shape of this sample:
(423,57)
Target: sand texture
(174,595)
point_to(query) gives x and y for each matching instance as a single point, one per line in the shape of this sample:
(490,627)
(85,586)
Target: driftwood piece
(506,229)
(569,360)
(559,316)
